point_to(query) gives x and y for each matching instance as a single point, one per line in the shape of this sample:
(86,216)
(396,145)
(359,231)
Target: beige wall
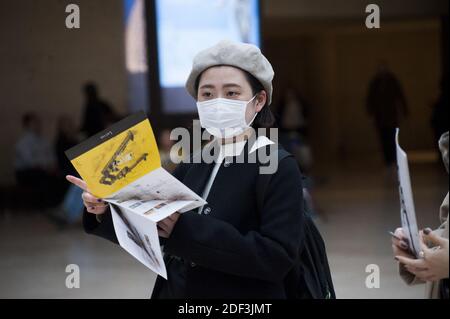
(413,54)
(43,64)
(332,63)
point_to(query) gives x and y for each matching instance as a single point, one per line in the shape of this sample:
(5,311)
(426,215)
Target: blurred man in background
(386,103)
(98,114)
(34,162)
(34,158)
(66,137)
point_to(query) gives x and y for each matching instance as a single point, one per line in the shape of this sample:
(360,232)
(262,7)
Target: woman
(232,247)
(432,267)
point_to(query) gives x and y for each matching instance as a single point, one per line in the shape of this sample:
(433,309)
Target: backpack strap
(314,251)
(263,179)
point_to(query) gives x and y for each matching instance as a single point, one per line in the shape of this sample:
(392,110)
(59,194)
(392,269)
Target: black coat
(231,249)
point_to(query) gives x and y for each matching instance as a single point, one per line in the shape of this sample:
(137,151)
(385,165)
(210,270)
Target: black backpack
(310,278)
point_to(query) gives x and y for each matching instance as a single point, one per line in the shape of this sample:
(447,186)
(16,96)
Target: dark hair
(28,118)
(265,117)
(90,89)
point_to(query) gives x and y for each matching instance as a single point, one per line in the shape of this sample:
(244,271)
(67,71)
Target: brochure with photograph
(122,165)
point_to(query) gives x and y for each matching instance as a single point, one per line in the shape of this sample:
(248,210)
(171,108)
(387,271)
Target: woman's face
(230,83)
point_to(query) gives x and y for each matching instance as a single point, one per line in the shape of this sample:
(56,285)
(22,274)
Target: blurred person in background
(293,115)
(386,103)
(293,124)
(70,209)
(97,113)
(35,163)
(165,150)
(433,266)
(34,158)
(66,137)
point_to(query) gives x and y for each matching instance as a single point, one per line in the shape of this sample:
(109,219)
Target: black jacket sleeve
(105,229)
(266,254)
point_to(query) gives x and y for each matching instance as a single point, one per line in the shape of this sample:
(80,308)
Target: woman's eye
(206,94)
(232,93)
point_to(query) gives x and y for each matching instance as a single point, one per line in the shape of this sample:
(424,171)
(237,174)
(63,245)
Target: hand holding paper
(93,204)
(121,166)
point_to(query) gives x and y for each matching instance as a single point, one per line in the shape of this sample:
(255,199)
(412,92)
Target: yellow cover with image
(116,157)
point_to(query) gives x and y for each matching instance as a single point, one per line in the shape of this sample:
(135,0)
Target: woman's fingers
(400,243)
(169,221)
(399,233)
(437,240)
(403,245)
(93,204)
(410,261)
(423,274)
(162,230)
(164,225)
(162,233)
(400,240)
(401,252)
(167,224)
(431,278)
(174,217)
(424,248)
(416,269)
(77,182)
(89,198)
(96,209)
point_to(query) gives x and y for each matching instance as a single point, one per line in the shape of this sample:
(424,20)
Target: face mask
(224,118)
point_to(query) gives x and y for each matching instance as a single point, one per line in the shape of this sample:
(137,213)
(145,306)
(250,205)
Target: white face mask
(224,118)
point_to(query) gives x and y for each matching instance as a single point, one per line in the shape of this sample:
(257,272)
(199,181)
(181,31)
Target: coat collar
(201,170)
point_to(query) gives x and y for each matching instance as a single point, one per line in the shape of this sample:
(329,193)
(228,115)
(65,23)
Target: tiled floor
(359,208)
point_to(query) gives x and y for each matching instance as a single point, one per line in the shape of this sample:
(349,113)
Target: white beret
(245,56)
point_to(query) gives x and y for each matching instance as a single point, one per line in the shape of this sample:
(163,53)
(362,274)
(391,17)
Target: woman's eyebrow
(227,85)
(207,86)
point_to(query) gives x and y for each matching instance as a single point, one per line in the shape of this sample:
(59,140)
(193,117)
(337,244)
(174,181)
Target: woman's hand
(166,225)
(433,265)
(401,247)
(93,204)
